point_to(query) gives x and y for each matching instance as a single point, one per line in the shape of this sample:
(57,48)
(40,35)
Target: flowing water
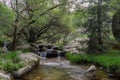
(56,69)
(47,73)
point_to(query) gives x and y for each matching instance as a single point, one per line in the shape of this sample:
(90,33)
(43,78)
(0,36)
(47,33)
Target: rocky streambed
(55,69)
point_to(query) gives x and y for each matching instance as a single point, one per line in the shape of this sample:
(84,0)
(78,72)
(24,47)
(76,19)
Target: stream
(55,69)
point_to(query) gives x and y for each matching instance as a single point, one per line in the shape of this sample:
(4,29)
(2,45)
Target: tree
(116,25)
(96,23)
(28,13)
(56,27)
(99,20)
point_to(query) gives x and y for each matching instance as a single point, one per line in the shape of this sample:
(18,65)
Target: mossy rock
(32,61)
(5,76)
(2,78)
(100,75)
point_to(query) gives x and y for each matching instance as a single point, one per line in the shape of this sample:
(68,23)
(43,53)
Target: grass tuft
(10,62)
(110,60)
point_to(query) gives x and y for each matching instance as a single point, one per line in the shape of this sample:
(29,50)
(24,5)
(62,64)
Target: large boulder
(31,60)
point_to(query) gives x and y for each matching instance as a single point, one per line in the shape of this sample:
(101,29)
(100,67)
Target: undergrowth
(110,60)
(10,61)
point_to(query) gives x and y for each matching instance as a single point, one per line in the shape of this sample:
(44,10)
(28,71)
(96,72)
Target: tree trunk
(100,42)
(14,43)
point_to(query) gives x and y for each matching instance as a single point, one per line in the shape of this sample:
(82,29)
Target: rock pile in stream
(51,50)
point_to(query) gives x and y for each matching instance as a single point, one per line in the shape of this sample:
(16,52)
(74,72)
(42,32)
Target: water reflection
(47,73)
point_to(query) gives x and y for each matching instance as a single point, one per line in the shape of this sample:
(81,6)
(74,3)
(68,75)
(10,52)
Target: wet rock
(31,60)
(5,47)
(51,53)
(91,69)
(51,50)
(5,50)
(111,75)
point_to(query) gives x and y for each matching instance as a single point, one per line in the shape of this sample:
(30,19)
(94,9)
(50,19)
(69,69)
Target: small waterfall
(5,44)
(59,56)
(43,55)
(5,49)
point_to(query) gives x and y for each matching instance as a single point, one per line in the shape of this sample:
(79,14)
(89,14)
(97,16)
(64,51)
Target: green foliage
(26,50)
(10,62)
(54,25)
(6,18)
(115,4)
(1,41)
(79,18)
(88,19)
(49,24)
(2,78)
(110,60)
